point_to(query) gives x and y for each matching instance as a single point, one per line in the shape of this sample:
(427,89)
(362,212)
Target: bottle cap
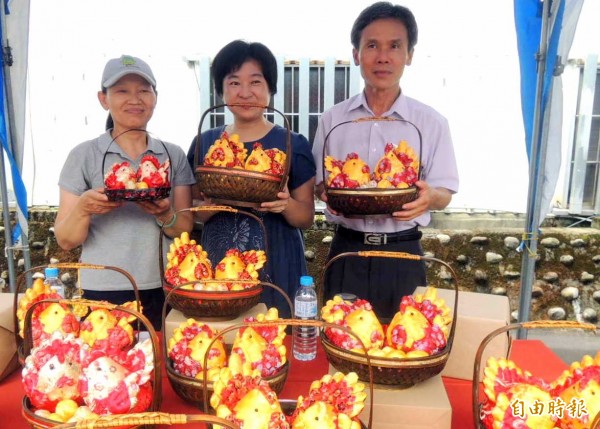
(306,281)
(51,272)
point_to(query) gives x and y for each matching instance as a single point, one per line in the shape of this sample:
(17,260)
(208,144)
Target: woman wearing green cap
(116,233)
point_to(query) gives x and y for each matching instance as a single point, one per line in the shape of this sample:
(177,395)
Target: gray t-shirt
(126,237)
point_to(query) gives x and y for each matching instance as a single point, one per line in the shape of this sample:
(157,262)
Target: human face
(130,101)
(247,86)
(382,54)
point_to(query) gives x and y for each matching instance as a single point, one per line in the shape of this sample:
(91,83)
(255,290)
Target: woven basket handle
(292,322)
(210,209)
(149,134)
(23,277)
(370,119)
(288,139)
(157,380)
(146,419)
(538,324)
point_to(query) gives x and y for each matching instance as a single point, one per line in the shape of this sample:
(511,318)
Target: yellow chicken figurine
(187,262)
(247,401)
(266,161)
(188,347)
(351,173)
(102,329)
(226,151)
(237,265)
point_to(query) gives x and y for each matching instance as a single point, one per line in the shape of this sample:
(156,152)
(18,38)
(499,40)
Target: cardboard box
(422,406)
(175,318)
(478,315)
(8,345)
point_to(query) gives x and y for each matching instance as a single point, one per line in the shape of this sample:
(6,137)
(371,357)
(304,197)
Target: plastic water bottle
(54,281)
(305,308)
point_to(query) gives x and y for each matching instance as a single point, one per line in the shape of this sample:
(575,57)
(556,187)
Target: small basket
(392,372)
(369,201)
(145,194)
(289,406)
(540,324)
(151,419)
(224,305)
(24,277)
(235,186)
(38,422)
(191,389)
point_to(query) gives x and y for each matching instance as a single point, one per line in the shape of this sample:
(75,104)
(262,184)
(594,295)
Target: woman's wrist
(167,222)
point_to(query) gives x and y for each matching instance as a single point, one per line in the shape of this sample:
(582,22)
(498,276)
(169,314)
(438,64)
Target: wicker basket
(393,372)
(289,406)
(226,305)
(146,194)
(540,324)
(191,389)
(369,201)
(235,186)
(25,277)
(43,423)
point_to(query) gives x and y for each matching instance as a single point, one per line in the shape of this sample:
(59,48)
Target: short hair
(233,55)
(383,10)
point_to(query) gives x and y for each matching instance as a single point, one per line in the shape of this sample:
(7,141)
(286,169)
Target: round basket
(43,423)
(225,305)
(396,372)
(25,278)
(235,186)
(144,194)
(214,305)
(192,389)
(290,406)
(358,202)
(540,324)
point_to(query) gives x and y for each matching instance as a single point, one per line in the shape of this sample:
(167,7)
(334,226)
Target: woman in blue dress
(246,73)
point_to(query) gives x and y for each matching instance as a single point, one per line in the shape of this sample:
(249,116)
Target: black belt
(379,238)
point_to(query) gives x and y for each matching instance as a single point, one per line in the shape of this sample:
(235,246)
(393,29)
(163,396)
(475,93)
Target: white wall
(465,65)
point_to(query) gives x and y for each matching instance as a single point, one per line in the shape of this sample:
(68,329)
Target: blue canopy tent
(545,31)
(14,25)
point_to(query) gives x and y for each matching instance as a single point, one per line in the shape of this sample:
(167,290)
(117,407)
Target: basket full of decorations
(229,173)
(192,367)
(149,181)
(412,348)
(334,400)
(224,291)
(25,297)
(86,360)
(357,185)
(514,398)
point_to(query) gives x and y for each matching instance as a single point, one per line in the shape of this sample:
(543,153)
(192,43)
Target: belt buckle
(375,239)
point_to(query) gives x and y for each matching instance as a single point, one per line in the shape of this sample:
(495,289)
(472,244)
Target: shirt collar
(399,109)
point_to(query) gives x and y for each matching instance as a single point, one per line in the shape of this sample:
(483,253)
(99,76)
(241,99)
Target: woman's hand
(95,201)
(277,206)
(160,209)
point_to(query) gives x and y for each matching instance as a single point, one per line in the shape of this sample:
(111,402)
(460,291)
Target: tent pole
(536,172)
(9,248)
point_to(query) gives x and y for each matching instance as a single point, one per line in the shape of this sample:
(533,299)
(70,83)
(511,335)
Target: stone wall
(484,259)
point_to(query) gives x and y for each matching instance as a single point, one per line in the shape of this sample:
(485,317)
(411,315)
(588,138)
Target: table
(532,355)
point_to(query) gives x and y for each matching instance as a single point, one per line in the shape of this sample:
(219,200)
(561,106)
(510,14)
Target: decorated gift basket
(354,187)
(150,181)
(192,366)
(93,364)
(229,175)
(334,400)
(208,292)
(423,323)
(513,397)
(24,297)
